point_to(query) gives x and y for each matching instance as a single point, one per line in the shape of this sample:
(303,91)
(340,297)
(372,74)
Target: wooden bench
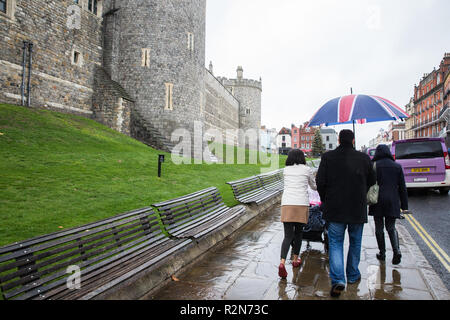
(257,189)
(272,181)
(196,214)
(107,253)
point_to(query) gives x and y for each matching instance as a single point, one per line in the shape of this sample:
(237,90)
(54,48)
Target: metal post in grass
(160,161)
(24,66)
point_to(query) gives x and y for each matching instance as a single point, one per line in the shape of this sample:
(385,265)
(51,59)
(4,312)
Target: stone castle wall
(57,83)
(221,109)
(248,93)
(163,28)
(140,67)
(111,105)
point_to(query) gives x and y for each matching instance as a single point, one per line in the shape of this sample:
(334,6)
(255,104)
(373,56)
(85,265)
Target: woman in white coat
(295,206)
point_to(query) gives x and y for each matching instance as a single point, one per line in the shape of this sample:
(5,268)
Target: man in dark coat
(392,197)
(343,179)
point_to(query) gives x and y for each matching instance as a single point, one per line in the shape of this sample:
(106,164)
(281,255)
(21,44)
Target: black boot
(382,246)
(393,236)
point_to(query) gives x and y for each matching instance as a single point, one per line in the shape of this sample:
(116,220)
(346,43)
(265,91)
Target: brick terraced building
(429,117)
(303,137)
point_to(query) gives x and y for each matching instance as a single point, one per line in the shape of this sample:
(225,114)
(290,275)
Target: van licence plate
(414,170)
(421,180)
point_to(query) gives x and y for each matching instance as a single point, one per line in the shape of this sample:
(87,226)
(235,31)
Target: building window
(328,138)
(8,7)
(190,40)
(77,58)
(76,1)
(247,111)
(295,146)
(92,6)
(146,58)
(169,94)
(3,6)
(330,146)
(283,138)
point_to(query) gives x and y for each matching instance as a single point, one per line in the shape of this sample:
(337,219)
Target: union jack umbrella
(357,109)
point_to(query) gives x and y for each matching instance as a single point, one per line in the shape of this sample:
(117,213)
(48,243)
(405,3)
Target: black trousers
(293,232)
(380,222)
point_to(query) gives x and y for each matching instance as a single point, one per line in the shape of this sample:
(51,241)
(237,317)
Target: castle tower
(248,92)
(155,49)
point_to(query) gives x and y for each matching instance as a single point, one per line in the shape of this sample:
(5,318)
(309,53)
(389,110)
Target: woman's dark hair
(295,156)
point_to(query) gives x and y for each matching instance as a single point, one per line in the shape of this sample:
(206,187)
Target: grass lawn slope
(59,171)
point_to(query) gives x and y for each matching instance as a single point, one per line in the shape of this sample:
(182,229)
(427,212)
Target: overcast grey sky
(308,52)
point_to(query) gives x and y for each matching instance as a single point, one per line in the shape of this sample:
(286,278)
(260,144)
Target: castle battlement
(241,82)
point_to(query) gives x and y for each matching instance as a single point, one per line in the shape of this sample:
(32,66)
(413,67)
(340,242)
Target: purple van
(425,163)
(371,152)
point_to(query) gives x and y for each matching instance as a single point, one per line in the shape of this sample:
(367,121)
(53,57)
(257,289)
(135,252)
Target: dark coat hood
(382,152)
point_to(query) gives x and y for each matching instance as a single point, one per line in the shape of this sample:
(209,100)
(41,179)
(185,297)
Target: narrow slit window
(146,58)
(92,6)
(169,96)
(77,59)
(190,44)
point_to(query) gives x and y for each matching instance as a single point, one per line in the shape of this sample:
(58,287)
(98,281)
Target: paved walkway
(246,267)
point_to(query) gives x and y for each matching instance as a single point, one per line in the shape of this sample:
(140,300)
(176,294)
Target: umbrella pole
(354,132)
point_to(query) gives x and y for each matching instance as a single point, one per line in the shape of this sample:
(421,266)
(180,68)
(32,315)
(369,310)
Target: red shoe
(297,263)
(282,271)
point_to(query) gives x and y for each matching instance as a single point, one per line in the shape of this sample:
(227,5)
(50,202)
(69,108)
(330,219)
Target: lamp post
(160,161)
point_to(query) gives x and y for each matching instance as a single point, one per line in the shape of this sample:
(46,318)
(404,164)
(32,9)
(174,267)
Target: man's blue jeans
(336,234)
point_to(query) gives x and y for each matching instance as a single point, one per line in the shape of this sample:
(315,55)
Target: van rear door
(422,161)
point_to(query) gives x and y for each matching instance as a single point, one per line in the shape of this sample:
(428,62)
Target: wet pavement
(245,267)
(431,210)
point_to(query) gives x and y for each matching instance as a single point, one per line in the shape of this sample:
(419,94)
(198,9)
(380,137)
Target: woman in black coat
(392,197)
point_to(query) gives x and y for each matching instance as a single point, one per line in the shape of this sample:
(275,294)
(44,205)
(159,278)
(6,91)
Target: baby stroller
(316,229)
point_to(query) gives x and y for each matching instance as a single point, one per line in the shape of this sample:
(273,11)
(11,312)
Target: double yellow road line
(438,252)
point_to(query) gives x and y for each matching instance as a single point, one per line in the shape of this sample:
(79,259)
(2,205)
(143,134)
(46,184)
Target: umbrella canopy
(357,108)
